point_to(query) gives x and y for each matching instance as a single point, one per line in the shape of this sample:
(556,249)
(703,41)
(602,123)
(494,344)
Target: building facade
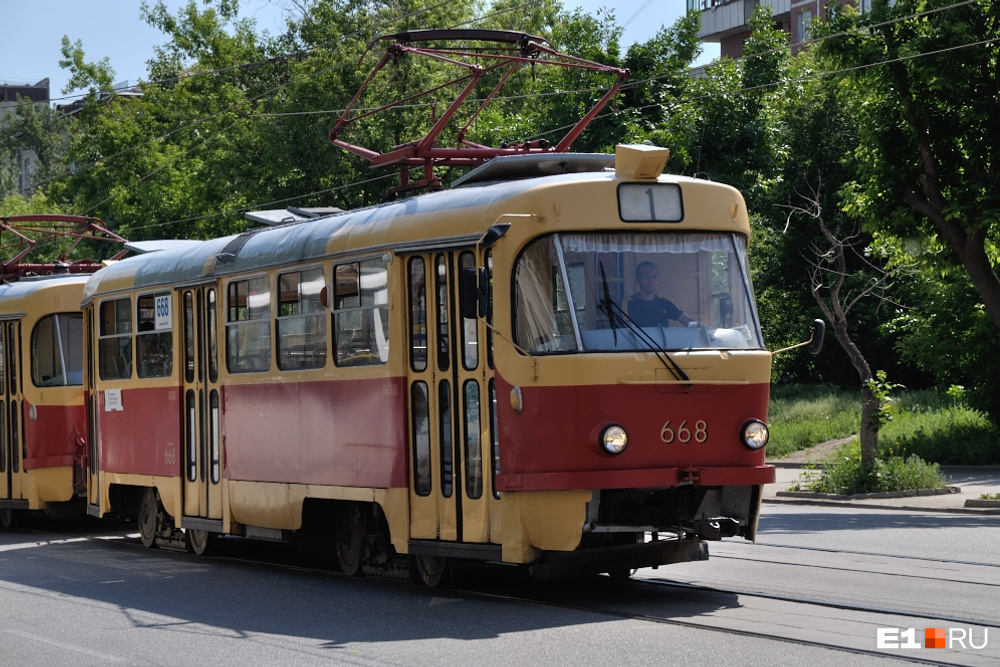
(726,21)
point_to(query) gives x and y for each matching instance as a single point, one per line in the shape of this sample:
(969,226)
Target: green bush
(846,474)
(940,427)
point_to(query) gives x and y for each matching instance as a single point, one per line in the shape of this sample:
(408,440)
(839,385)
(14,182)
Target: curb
(876,496)
(955,470)
(982,503)
(817,502)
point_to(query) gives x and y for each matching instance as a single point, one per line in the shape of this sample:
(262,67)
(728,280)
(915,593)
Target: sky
(33,30)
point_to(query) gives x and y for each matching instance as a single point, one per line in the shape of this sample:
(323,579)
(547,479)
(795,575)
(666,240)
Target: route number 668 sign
(163,312)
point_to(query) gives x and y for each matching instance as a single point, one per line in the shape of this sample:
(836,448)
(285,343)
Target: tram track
(847,552)
(832,604)
(550,595)
(774,636)
(886,560)
(729,610)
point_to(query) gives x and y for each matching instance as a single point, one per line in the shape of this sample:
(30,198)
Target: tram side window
(57,351)
(418,315)
(360,315)
(115,345)
(248,331)
(301,320)
(154,345)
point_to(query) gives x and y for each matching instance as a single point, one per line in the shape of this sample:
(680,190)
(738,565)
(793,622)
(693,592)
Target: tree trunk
(929,201)
(869,430)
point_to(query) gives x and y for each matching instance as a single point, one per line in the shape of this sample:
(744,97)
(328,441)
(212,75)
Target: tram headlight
(613,439)
(755,434)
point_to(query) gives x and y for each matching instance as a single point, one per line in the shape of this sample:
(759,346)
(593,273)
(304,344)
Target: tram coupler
(713,529)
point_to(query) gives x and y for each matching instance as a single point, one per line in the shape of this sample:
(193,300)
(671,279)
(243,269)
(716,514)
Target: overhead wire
(687,100)
(234,107)
(678,102)
(244,209)
(552,131)
(264,94)
(257,63)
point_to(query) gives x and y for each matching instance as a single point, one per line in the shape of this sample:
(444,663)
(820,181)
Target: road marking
(32,545)
(63,645)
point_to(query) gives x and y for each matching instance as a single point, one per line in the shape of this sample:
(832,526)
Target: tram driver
(646,308)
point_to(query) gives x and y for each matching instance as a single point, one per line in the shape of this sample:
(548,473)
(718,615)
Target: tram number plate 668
(684,432)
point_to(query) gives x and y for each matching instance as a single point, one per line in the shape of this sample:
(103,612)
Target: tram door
(201,461)
(93,435)
(11,447)
(450,406)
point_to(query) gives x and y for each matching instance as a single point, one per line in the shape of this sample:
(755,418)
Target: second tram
(42,425)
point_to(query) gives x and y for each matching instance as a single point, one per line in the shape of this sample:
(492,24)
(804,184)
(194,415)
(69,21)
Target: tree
(930,132)
(725,126)
(830,283)
(38,128)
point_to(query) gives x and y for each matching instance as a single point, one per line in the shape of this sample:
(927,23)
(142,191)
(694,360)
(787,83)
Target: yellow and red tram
(451,376)
(42,426)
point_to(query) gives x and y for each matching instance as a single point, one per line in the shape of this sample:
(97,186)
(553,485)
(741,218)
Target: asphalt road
(96,597)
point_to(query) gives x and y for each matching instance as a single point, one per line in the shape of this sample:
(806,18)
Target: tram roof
(401,225)
(32,284)
(433,220)
(41,294)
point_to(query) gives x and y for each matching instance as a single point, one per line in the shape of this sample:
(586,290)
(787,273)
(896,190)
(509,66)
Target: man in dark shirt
(646,308)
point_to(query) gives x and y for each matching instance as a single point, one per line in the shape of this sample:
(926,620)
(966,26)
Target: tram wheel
(434,571)
(149,511)
(200,542)
(8,518)
(349,540)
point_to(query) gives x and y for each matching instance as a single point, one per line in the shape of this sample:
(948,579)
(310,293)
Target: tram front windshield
(591,292)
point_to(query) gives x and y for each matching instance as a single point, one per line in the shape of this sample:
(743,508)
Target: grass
(926,429)
(935,426)
(846,474)
(989,496)
(806,415)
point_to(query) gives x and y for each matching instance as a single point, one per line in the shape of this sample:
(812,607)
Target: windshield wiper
(608,305)
(638,332)
(615,313)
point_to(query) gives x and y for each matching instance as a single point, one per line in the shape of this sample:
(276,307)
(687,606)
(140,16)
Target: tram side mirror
(474,293)
(817,332)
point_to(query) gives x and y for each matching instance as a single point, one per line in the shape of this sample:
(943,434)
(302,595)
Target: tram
(42,428)
(453,376)
(42,425)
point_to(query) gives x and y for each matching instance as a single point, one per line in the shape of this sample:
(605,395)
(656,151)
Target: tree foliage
(927,82)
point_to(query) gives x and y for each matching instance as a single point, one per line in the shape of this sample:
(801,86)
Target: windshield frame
(569,306)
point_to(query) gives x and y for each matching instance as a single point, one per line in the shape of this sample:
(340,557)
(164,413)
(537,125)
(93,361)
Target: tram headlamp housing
(754,434)
(613,439)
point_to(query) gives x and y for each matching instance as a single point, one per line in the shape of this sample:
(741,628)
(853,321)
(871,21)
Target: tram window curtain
(541,312)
